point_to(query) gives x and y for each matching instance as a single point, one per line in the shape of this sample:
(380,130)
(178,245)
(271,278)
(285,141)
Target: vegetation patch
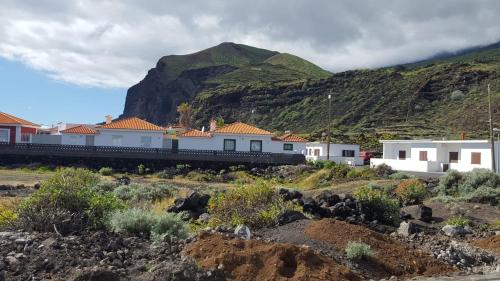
(356,251)
(378,205)
(478,185)
(411,191)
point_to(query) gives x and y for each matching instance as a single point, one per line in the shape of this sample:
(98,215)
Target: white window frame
(8,134)
(117,137)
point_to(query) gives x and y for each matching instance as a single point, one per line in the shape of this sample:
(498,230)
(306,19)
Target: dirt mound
(258,260)
(491,244)
(391,257)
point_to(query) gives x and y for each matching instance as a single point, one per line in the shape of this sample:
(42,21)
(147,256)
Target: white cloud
(114,43)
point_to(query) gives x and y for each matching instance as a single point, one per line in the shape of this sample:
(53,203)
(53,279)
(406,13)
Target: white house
(339,153)
(241,137)
(128,132)
(436,155)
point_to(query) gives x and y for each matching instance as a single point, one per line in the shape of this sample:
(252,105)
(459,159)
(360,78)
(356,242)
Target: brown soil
(258,260)
(391,257)
(491,244)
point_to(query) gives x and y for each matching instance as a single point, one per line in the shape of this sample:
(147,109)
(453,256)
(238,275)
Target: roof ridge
(17,120)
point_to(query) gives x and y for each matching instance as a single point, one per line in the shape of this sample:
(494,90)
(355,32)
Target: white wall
(130,138)
(46,139)
(335,152)
(72,139)
(216,142)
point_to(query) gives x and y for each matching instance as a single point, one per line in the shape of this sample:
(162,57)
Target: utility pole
(492,137)
(328,127)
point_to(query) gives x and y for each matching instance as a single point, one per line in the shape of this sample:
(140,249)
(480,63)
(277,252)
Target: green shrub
(106,171)
(383,170)
(353,173)
(478,185)
(457,221)
(378,205)
(200,176)
(411,191)
(168,173)
(141,169)
(356,251)
(256,205)
(7,216)
(67,201)
(322,164)
(399,176)
(145,223)
(367,173)
(140,192)
(104,187)
(340,171)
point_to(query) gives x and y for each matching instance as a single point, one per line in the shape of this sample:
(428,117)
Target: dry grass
(314,180)
(18,176)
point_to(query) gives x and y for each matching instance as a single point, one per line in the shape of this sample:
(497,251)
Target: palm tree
(184,110)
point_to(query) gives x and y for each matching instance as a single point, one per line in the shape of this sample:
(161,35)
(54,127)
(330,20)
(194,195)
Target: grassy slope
(408,101)
(298,64)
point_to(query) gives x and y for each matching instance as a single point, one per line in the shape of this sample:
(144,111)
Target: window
(256,145)
(402,155)
(475,158)
(146,142)
(4,135)
(347,153)
(316,152)
(423,155)
(453,157)
(25,137)
(288,146)
(117,140)
(229,145)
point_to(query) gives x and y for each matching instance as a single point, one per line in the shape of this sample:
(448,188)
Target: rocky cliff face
(155,99)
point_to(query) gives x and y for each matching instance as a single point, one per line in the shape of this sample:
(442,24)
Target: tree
(184,110)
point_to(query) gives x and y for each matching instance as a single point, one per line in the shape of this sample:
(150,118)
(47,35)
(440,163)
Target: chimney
(109,118)
(462,135)
(213,125)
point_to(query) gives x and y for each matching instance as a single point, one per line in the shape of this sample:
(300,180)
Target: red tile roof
(82,130)
(10,119)
(241,128)
(196,134)
(132,123)
(290,138)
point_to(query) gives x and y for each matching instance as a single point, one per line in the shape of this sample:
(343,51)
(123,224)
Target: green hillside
(298,64)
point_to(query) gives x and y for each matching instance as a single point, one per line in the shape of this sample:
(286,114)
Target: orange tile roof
(82,130)
(241,128)
(291,138)
(10,119)
(196,134)
(132,123)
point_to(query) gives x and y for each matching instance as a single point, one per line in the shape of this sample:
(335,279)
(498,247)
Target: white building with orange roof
(127,132)
(242,137)
(16,130)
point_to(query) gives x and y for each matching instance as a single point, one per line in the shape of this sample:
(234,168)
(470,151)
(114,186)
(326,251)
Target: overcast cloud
(113,43)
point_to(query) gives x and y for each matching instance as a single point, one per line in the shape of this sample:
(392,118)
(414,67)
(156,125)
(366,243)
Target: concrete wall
(46,139)
(129,138)
(216,142)
(72,139)
(335,152)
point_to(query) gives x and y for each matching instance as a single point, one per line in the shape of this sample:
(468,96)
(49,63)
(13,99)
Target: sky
(74,60)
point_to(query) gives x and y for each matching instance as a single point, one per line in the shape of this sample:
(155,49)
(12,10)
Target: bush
(399,176)
(353,173)
(68,202)
(106,171)
(358,251)
(478,185)
(383,170)
(145,223)
(256,205)
(200,176)
(7,216)
(411,191)
(377,205)
(322,164)
(340,171)
(457,221)
(167,173)
(140,192)
(141,169)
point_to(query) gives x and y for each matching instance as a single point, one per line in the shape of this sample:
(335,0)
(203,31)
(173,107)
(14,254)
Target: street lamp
(328,127)
(497,131)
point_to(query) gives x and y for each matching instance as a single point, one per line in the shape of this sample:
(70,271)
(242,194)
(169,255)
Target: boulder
(204,218)
(453,230)
(327,198)
(406,229)
(289,195)
(290,216)
(243,231)
(420,212)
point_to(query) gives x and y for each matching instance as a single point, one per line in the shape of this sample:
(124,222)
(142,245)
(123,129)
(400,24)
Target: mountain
(180,78)
(437,98)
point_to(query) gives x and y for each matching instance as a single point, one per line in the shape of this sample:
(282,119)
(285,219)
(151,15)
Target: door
(4,135)
(89,140)
(175,145)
